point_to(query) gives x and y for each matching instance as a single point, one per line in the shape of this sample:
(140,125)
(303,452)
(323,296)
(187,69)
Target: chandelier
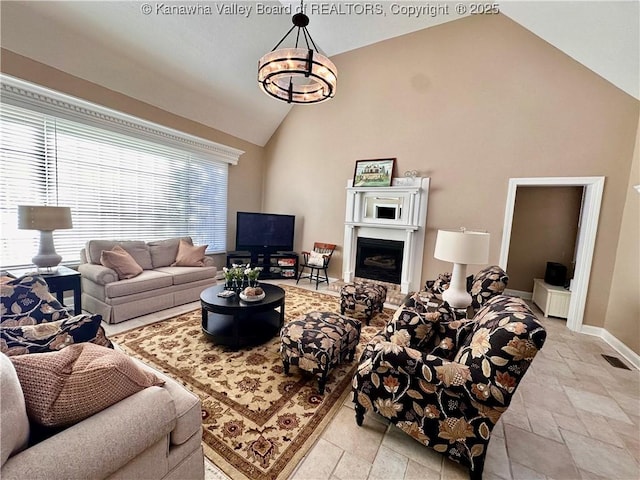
(298,75)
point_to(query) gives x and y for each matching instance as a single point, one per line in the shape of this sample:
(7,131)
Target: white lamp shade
(462,246)
(31,217)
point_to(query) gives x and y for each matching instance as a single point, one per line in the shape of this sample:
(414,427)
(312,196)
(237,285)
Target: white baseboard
(518,293)
(632,357)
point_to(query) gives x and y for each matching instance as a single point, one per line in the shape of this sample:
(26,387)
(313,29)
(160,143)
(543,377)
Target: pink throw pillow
(121,261)
(189,255)
(64,387)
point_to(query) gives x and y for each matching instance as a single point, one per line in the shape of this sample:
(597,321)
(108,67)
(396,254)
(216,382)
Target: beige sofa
(155,434)
(158,287)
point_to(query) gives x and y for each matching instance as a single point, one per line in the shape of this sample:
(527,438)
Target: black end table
(62,280)
(232,322)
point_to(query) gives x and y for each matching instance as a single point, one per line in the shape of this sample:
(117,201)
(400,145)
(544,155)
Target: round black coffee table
(232,322)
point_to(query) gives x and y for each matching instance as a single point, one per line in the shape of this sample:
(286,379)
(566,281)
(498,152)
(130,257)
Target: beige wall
(245,179)
(545,227)
(470,103)
(623,313)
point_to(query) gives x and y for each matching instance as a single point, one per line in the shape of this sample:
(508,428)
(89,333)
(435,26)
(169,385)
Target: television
(264,232)
(555,274)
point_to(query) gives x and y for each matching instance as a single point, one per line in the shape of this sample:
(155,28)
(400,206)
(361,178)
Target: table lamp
(461,247)
(46,219)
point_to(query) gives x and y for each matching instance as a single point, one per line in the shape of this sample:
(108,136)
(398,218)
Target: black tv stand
(274,264)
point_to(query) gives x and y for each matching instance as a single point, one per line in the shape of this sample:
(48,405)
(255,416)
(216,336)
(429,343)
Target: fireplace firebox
(378,259)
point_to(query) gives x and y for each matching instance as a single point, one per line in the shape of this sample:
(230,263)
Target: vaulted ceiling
(203,65)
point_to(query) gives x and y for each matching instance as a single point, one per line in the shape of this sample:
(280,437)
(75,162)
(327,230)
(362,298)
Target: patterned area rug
(258,423)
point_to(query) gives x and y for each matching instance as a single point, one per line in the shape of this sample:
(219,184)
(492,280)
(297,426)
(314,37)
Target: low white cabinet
(552,300)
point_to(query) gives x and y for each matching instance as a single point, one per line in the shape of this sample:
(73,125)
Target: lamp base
(46,270)
(47,258)
(456,295)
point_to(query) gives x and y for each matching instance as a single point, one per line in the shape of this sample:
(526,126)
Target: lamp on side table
(46,219)
(462,247)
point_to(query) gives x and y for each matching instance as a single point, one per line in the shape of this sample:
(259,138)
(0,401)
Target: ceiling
(203,66)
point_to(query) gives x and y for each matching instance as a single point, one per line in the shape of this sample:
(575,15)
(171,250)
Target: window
(134,185)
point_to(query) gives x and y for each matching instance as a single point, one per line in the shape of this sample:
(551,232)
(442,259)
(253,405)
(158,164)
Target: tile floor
(573,417)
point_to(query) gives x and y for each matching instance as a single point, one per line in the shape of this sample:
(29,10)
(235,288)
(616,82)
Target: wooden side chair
(317,261)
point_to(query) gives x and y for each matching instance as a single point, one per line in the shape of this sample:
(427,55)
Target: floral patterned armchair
(444,381)
(482,286)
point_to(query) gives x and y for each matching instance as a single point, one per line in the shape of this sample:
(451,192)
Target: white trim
(632,357)
(593,188)
(34,97)
(518,293)
(410,228)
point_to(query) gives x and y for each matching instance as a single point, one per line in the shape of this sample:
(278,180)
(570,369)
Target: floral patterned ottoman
(371,295)
(318,341)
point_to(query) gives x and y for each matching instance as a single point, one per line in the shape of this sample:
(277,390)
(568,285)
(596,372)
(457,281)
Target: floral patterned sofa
(446,381)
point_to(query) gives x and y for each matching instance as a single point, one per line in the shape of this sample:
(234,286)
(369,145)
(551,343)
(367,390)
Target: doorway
(593,188)
(544,229)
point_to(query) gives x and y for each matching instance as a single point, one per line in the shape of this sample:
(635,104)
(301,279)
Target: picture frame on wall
(374,173)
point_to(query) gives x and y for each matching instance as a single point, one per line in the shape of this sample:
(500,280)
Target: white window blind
(118,186)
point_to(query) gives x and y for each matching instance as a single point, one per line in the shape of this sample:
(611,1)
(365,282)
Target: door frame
(592,201)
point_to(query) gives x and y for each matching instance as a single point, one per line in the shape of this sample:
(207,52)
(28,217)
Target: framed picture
(374,173)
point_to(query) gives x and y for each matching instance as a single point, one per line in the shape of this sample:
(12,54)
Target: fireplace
(378,259)
(392,223)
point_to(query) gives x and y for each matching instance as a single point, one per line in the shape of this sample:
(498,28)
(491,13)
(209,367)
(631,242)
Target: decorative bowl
(256,298)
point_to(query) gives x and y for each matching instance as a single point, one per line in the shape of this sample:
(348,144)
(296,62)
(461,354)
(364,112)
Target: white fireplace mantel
(398,212)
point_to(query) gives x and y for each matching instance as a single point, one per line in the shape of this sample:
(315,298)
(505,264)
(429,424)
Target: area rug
(258,422)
